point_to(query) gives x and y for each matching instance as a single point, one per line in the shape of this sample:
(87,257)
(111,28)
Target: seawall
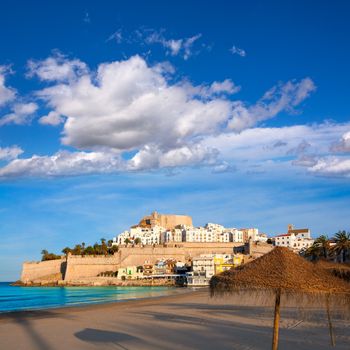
(77,267)
(89,266)
(38,270)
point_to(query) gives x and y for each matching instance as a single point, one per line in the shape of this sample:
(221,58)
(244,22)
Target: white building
(206,265)
(211,233)
(147,236)
(294,241)
(203,268)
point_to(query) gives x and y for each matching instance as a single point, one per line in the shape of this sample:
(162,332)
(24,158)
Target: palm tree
(323,243)
(313,251)
(66,250)
(97,249)
(342,244)
(44,254)
(77,249)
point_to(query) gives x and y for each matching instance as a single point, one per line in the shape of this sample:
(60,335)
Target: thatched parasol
(283,271)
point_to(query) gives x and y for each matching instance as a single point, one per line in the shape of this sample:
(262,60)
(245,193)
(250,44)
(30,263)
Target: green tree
(97,249)
(127,241)
(44,252)
(313,252)
(77,249)
(322,243)
(49,256)
(89,250)
(66,250)
(112,249)
(104,248)
(137,240)
(342,244)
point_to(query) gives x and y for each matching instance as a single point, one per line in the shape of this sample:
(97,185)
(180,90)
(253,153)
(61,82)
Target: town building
(162,229)
(295,239)
(207,265)
(130,272)
(146,236)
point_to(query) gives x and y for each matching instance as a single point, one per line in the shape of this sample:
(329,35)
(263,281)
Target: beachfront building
(203,269)
(130,272)
(207,265)
(164,267)
(224,262)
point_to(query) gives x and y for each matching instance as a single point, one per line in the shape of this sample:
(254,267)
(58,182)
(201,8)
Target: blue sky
(232,112)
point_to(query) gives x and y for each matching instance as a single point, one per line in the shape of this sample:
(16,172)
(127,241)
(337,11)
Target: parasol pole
(276,320)
(330,326)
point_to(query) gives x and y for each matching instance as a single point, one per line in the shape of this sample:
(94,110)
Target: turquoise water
(15,298)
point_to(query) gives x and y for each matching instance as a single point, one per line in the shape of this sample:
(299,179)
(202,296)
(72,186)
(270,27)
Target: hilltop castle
(167,221)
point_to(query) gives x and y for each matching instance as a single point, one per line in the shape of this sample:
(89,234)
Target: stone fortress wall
(43,270)
(77,266)
(89,266)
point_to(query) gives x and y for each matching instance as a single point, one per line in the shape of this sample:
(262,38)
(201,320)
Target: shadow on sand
(25,320)
(100,336)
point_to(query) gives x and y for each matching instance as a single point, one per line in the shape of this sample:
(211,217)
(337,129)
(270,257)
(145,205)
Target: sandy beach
(189,320)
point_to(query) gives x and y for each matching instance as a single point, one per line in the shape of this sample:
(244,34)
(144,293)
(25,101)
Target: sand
(189,320)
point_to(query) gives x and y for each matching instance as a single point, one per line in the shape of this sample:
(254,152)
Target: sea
(17,298)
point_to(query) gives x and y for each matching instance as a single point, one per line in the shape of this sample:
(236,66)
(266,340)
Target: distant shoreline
(99,305)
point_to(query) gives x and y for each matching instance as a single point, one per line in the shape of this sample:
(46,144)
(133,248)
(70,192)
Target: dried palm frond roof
(279,269)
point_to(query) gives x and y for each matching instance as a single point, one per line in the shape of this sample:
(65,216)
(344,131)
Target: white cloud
(343,145)
(116,36)
(226,86)
(224,167)
(301,148)
(21,114)
(151,157)
(9,153)
(64,164)
(131,106)
(283,97)
(237,51)
(183,47)
(57,68)
(305,160)
(53,118)
(331,166)
(7,94)
(257,146)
